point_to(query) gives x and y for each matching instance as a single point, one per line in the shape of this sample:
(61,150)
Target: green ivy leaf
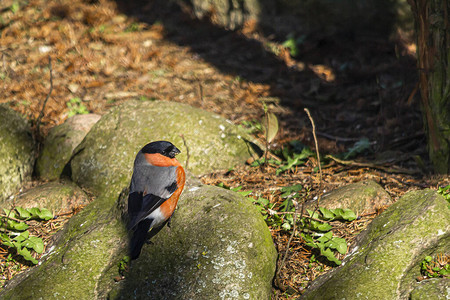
(34,243)
(330,256)
(23,213)
(344,214)
(25,253)
(6,240)
(22,236)
(327,214)
(19,226)
(319,226)
(313,214)
(337,243)
(10,213)
(326,237)
(40,213)
(289,190)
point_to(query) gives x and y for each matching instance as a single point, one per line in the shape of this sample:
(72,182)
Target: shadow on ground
(357,83)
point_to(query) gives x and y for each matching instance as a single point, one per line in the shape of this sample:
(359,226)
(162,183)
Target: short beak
(174,152)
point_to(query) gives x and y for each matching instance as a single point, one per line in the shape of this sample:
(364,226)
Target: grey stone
(361,197)
(55,196)
(218,246)
(103,161)
(60,143)
(17,152)
(435,288)
(385,259)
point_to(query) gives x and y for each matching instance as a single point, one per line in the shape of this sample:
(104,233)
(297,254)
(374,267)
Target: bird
(156,185)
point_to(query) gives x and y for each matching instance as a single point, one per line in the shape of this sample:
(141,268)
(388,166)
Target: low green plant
(445,192)
(133,27)
(124,265)
(318,234)
(252,126)
(293,155)
(436,267)
(315,229)
(359,147)
(293,160)
(14,7)
(76,107)
(326,243)
(15,234)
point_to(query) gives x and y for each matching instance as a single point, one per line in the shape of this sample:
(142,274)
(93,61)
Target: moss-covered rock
(361,197)
(385,260)
(60,143)
(218,246)
(58,197)
(17,153)
(436,289)
(103,161)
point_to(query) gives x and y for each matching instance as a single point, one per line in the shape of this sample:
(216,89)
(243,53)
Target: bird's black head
(161,147)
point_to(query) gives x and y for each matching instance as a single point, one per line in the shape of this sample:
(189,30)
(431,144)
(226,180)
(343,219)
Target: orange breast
(168,206)
(160,160)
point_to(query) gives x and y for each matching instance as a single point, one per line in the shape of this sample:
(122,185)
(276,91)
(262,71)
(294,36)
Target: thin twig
(187,151)
(266,137)
(294,229)
(41,114)
(317,148)
(11,218)
(373,166)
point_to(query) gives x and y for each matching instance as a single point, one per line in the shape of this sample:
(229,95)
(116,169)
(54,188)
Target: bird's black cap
(162,147)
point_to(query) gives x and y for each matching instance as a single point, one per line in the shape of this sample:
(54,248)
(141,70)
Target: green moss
(204,254)
(16,152)
(389,249)
(105,157)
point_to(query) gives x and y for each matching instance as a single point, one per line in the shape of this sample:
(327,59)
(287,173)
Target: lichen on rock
(17,152)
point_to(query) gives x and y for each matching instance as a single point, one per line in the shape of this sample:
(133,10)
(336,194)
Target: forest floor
(357,90)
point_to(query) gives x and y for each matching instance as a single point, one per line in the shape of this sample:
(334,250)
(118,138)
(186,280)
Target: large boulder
(361,197)
(58,197)
(384,262)
(60,143)
(17,152)
(103,162)
(435,288)
(218,247)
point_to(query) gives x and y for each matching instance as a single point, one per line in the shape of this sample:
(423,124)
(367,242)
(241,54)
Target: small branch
(266,137)
(294,229)
(374,166)
(317,147)
(187,151)
(11,218)
(41,114)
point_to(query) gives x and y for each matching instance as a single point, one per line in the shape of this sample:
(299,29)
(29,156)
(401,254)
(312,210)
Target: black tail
(139,237)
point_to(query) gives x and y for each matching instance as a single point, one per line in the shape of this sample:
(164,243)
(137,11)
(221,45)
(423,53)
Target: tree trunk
(433,56)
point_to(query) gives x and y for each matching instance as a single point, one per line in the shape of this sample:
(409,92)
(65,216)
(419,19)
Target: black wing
(150,187)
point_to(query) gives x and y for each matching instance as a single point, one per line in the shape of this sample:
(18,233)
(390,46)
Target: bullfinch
(156,185)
